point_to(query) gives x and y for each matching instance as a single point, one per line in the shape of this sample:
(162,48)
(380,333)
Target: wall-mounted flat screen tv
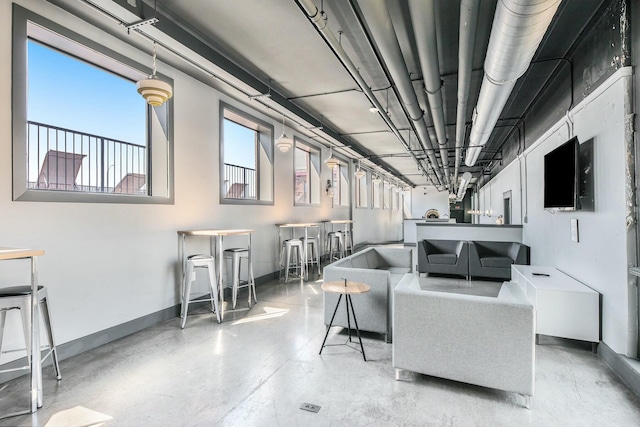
(561,176)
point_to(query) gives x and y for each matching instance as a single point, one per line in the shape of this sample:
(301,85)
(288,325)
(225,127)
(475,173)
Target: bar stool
(19,297)
(193,262)
(313,254)
(336,244)
(348,242)
(236,255)
(285,257)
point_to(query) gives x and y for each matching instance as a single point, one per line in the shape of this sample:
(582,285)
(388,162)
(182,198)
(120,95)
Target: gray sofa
(379,267)
(478,340)
(443,257)
(494,259)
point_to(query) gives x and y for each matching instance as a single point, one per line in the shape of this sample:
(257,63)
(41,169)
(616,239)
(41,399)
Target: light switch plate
(575,237)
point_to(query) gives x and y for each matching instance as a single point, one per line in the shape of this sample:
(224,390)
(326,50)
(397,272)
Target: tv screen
(561,176)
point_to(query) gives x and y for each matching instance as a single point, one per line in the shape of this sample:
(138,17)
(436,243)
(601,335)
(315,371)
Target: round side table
(346,288)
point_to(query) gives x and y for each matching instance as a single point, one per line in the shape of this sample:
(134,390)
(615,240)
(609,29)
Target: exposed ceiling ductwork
(319,20)
(423,18)
(345,55)
(469,10)
(380,25)
(518,28)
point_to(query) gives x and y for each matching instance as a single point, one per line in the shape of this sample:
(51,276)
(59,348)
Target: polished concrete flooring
(260,366)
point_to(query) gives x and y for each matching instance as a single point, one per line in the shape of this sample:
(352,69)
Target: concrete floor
(260,366)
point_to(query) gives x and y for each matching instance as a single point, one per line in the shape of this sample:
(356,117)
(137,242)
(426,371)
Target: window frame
(21,20)
(314,162)
(376,202)
(266,139)
(340,186)
(360,192)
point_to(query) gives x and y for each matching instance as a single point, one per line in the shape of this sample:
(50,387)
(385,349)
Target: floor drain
(310,407)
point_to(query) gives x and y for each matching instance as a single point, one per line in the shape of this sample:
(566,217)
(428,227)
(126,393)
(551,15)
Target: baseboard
(628,370)
(89,342)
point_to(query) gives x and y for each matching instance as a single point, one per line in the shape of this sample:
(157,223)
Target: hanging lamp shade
(359,173)
(284,143)
(331,161)
(153,90)
(376,180)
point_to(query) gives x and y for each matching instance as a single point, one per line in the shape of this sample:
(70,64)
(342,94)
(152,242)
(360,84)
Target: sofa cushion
(449,259)
(496,262)
(373,259)
(359,261)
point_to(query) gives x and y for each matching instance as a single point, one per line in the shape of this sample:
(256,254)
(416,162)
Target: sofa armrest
(519,253)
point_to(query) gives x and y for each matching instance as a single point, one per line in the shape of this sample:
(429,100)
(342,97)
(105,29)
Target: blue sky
(73,94)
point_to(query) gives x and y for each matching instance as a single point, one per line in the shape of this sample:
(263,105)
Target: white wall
(424,198)
(107,264)
(599,259)
(491,196)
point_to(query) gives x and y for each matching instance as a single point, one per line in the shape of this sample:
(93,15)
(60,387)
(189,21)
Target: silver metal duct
(465,180)
(518,28)
(423,18)
(469,10)
(379,23)
(319,21)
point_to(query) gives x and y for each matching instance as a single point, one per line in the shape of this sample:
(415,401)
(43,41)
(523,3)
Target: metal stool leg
(52,343)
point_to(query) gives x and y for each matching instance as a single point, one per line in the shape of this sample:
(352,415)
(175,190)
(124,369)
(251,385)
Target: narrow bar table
(305,226)
(35,362)
(219,235)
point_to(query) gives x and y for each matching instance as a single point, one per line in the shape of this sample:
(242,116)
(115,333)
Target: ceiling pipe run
(518,28)
(423,18)
(379,23)
(469,10)
(319,20)
(465,180)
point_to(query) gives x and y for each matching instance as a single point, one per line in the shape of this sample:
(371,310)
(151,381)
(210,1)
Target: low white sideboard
(565,307)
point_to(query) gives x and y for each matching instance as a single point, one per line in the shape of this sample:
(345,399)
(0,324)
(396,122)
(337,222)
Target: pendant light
(154,90)
(359,173)
(331,161)
(376,180)
(284,143)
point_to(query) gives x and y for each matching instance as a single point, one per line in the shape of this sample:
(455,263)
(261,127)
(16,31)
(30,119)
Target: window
(376,183)
(307,174)
(361,191)
(81,132)
(340,185)
(386,195)
(246,157)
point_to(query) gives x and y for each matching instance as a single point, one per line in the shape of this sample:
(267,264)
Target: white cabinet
(564,307)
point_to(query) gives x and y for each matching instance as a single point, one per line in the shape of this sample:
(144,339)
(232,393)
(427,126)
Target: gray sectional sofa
(478,340)
(379,267)
(483,259)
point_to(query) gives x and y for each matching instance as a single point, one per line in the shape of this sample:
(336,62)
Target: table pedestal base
(355,321)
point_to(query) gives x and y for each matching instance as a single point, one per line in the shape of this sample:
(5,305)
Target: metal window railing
(240,182)
(69,160)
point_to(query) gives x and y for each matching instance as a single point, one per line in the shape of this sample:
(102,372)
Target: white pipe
(518,28)
(464,183)
(423,18)
(318,19)
(469,10)
(379,23)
